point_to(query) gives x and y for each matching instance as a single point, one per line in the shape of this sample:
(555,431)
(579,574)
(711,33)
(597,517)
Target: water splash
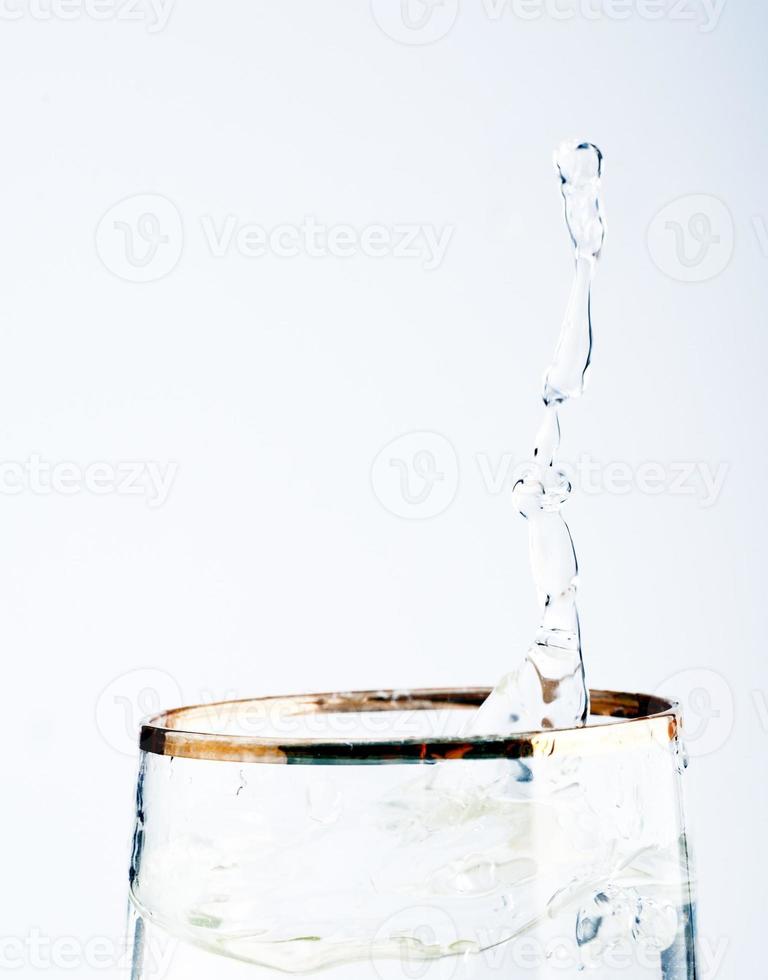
(548,690)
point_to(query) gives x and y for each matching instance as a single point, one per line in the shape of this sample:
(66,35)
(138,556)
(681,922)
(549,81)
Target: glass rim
(629,720)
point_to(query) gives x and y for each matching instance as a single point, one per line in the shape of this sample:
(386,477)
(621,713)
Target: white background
(280,560)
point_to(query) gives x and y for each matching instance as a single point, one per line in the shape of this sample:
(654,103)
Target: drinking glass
(363,835)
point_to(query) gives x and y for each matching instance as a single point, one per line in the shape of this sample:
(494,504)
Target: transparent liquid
(549,689)
(483,868)
(165,957)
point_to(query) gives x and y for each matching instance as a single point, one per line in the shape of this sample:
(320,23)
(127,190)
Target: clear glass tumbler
(361,835)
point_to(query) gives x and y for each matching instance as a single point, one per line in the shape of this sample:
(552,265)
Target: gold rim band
(184,732)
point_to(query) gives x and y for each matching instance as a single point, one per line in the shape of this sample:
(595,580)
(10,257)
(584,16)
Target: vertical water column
(548,689)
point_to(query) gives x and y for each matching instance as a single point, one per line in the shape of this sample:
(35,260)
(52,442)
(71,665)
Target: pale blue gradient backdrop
(273,383)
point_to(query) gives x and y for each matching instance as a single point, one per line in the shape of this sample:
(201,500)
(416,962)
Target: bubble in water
(608,918)
(549,690)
